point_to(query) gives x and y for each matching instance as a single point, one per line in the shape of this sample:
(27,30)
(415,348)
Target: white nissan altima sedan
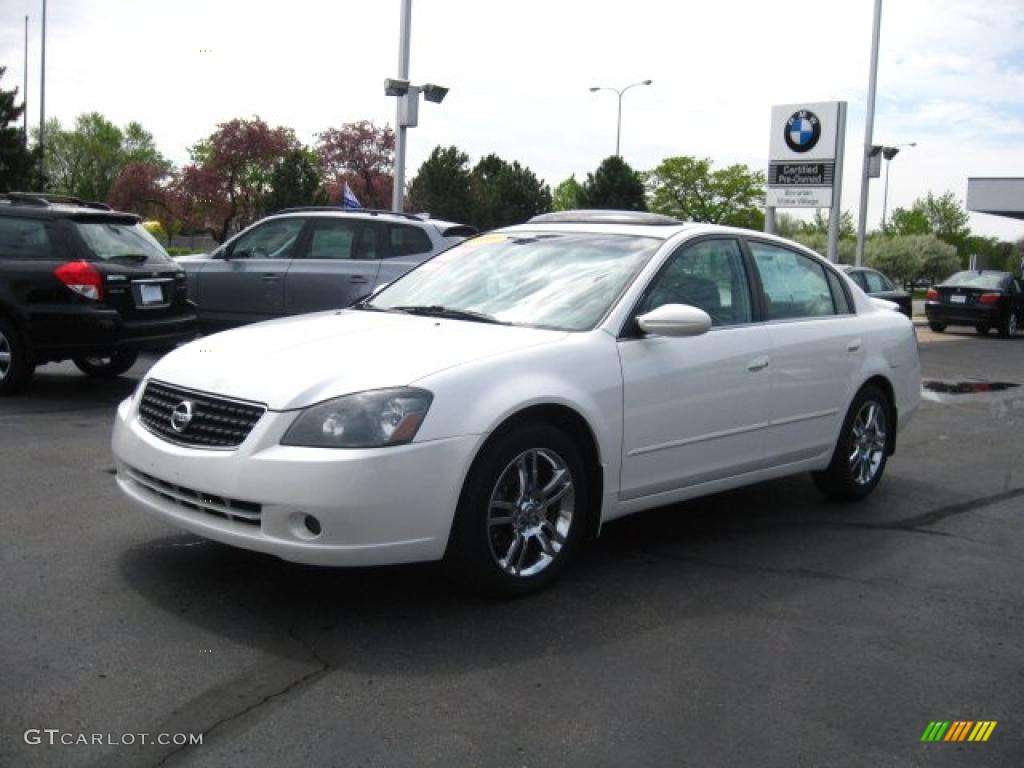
(497,404)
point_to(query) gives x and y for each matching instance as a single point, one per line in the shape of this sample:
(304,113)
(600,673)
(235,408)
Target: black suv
(79,280)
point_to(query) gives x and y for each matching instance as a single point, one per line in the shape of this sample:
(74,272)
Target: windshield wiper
(436,310)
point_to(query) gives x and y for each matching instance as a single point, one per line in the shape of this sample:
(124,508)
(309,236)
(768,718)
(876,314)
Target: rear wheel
(521,515)
(937,327)
(107,366)
(982,329)
(16,366)
(1009,327)
(862,449)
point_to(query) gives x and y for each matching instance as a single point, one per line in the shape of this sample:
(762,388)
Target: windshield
(550,280)
(989,281)
(113,240)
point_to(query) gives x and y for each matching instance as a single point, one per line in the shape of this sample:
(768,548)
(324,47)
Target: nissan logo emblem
(181,416)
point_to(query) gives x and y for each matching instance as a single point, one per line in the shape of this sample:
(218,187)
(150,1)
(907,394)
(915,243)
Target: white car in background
(497,404)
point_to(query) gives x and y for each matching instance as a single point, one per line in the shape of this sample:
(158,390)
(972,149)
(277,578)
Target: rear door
(816,352)
(337,264)
(245,283)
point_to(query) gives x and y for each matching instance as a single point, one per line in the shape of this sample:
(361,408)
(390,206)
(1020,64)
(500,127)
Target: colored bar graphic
(958,730)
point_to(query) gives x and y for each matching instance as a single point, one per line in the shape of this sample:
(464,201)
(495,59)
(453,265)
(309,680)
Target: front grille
(230,509)
(216,422)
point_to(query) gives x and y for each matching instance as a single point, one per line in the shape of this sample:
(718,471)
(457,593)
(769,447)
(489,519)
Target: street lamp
(889,153)
(408,96)
(619,92)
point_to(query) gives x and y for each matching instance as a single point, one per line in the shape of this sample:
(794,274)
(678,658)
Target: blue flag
(348,198)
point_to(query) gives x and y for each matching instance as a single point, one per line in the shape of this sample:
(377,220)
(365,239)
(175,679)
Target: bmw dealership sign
(805,160)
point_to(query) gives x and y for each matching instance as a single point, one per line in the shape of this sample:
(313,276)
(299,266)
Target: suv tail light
(932,295)
(989,298)
(82,278)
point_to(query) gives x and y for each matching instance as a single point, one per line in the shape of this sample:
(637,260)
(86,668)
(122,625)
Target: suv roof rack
(44,199)
(342,209)
(605,217)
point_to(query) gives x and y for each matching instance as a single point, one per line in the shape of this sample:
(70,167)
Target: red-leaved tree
(361,154)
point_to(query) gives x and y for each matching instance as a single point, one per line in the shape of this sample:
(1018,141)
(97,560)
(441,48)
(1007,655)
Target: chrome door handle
(757,364)
(270,278)
(359,279)
(853,346)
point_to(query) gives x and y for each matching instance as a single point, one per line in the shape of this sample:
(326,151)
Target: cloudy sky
(951,77)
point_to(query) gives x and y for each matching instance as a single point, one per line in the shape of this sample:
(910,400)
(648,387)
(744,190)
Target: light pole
(619,92)
(869,125)
(889,153)
(24,90)
(407,111)
(42,108)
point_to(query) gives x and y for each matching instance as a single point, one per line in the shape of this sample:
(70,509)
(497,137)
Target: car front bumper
(374,506)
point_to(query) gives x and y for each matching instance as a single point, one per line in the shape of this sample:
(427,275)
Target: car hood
(297,361)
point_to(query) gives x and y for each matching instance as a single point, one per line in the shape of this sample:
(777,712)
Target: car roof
(327,211)
(656,231)
(41,205)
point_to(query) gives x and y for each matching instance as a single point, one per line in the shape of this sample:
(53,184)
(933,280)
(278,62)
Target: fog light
(312,525)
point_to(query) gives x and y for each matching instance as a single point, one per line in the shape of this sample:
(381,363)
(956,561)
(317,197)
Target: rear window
(23,239)
(116,241)
(988,281)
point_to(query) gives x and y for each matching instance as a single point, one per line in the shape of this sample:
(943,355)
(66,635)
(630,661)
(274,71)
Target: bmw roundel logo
(181,416)
(802,131)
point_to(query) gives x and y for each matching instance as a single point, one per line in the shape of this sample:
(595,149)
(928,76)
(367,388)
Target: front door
(246,284)
(695,409)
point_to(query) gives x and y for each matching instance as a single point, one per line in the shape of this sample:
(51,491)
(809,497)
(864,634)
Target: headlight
(365,420)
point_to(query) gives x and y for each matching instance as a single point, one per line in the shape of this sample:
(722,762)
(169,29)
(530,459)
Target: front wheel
(937,327)
(862,449)
(521,515)
(106,366)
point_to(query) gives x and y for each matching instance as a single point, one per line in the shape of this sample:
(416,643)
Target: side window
(272,240)
(858,277)
(877,283)
(794,285)
(342,239)
(407,241)
(838,293)
(708,275)
(24,239)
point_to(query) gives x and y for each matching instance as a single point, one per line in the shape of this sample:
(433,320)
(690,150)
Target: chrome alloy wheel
(867,442)
(5,356)
(531,512)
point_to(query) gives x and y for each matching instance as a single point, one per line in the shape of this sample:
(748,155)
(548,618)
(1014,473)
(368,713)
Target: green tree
(898,257)
(942,216)
(86,160)
(614,185)
(818,241)
(819,223)
(442,185)
(566,196)
(939,260)
(295,181)
(17,163)
(689,189)
(506,193)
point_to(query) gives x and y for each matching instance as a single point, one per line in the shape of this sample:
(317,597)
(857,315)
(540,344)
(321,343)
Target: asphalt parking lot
(758,627)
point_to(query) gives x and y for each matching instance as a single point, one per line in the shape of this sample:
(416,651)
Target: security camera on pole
(805,168)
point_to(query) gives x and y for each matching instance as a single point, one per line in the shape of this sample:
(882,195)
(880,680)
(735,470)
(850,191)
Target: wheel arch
(887,388)
(577,429)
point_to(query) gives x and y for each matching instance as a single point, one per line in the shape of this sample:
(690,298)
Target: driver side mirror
(675,320)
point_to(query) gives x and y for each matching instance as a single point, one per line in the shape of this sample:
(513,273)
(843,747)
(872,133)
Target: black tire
(16,364)
(982,330)
(106,366)
(848,478)
(937,327)
(481,534)
(1010,326)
